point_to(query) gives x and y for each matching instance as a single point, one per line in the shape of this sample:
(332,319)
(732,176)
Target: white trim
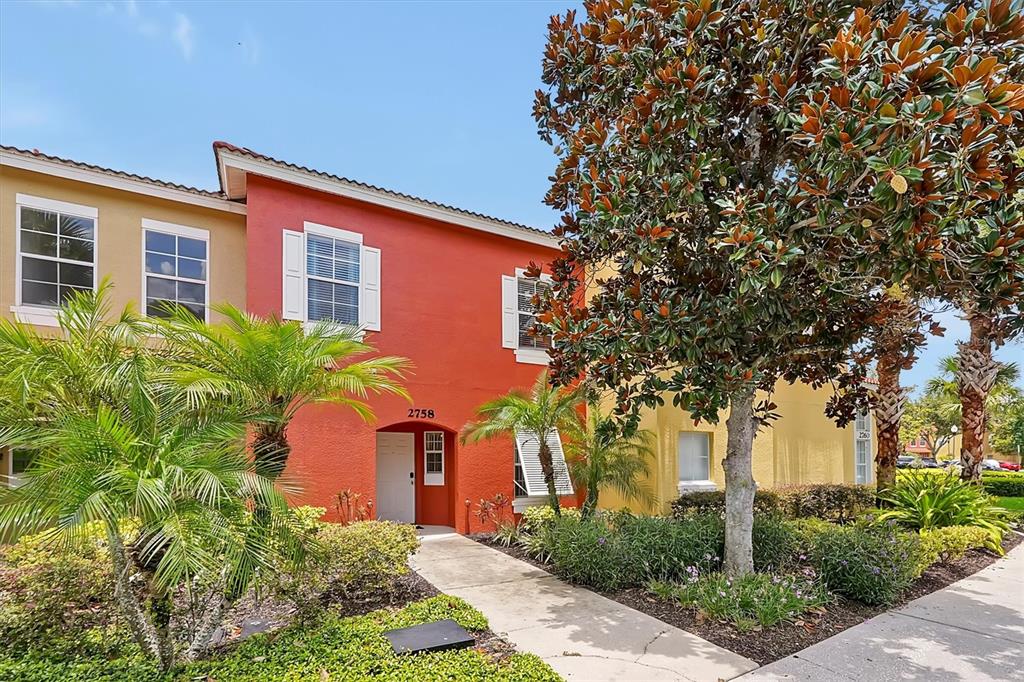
(696,486)
(433,478)
(352,191)
(332,232)
(544,277)
(32,314)
(57,206)
(521,504)
(532,356)
(174,228)
(95,177)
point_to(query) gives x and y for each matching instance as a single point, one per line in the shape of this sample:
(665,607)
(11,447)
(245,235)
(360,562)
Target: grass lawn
(1011,503)
(329,650)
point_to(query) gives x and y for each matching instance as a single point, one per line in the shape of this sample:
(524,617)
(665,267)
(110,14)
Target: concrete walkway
(972,630)
(579,633)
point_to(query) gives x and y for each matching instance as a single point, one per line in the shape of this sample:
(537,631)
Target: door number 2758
(421,413)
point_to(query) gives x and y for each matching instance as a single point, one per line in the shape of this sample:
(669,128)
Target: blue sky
(428,98)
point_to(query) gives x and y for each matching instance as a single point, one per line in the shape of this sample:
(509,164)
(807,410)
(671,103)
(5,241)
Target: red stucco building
(438,285)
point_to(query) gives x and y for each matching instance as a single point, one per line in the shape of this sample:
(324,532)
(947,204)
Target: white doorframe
(396,477)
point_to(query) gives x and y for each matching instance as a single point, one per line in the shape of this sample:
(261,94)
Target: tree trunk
(207,625)
(144,630)
(270,449)
(976,374)
(590,504)
(548,467)
(739,485)
(890,402)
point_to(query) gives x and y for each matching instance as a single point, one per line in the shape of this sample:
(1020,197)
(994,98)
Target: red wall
(440,307)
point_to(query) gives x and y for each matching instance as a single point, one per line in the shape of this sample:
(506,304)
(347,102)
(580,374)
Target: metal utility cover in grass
(439,636)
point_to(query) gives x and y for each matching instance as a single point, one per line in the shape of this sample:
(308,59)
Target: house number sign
(421,413)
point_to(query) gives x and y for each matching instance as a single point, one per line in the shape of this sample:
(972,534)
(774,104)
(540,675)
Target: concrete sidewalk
(579,633)
(972,630)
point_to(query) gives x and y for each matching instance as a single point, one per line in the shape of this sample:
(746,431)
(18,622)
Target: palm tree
(544,409)
(601,458)
(275,368)
(119,446)
(970,399)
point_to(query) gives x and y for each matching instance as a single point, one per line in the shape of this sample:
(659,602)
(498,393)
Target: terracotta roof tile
(227,146)
(35,153)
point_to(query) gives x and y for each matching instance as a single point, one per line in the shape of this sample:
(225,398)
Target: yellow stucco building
(66,226)
(802,446)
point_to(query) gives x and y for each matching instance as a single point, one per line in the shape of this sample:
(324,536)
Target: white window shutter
(369,305)
(528,448)
(293,304)
(509,312)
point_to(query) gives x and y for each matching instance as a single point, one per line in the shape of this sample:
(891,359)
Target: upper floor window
(332,272)
(56,250)
(519,314)
(175,263)
(328,274)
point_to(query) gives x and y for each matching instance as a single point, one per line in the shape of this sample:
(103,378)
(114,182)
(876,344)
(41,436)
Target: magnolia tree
(706,281)
(913,130)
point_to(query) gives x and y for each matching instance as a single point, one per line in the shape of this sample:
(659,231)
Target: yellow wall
(119,235)
(802,446)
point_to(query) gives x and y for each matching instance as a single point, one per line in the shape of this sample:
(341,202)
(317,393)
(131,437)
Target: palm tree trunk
(739,485)
(548,467)
(207,625)
(270,449)
(149,638)
(976,374)
(890,402)
(590,504)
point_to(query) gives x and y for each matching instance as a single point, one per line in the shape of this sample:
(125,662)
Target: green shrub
(308,518)
(806,532)
(1008,484)
(872,564)
(51,594)
(589,552)
(361,557)
(536,518)
(713,502)
(925,502)
(662,548)
(948,544)
(776,542)
(757,599)
(836,502)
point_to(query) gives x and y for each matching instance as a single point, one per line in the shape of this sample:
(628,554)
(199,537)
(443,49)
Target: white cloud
(183,35)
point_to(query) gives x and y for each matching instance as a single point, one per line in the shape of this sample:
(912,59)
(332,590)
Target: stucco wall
(440,307)
(802,446)
(119,235)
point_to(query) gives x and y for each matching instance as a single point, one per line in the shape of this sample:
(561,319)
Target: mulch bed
(766,646)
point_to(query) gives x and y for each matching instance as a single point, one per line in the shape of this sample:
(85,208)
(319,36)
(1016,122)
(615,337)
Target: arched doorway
(416,473)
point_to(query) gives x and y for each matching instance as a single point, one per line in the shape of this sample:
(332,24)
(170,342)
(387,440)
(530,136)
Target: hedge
(836,502)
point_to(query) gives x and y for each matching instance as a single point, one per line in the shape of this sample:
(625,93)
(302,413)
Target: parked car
(904,462)
(990,465)
(928,463)
(1009,466)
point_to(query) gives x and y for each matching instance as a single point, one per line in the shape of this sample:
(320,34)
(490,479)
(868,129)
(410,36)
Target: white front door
(396,477)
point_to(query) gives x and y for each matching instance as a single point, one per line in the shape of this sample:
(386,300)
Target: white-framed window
(519,478)
(56,243)
(330,275)
(433,458)
(862,441)
(518,314)
(175,268)
(694,460)
(13,463)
